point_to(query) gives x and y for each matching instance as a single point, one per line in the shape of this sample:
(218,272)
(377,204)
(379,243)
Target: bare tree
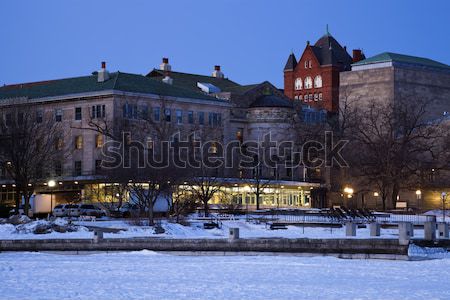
(391,142)
(31,147)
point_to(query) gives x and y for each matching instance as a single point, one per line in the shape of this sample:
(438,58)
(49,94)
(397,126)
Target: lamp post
(444,198)
(51,184)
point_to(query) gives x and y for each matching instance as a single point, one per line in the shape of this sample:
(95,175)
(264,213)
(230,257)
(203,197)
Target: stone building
(186,101)
(391,77)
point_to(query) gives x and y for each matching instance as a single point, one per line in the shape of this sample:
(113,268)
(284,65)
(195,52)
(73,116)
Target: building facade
(314,79)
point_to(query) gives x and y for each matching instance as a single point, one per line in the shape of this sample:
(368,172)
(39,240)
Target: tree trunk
(150,215)
(17,199)
(26,208)
(383,199)
(395,191)
(205,207)
(257,201)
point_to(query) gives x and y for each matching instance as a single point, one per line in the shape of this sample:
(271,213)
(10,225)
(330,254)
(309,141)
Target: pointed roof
(329,52)
(291,63)
(401,58)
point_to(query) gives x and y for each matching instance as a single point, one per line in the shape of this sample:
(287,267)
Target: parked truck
(40,205)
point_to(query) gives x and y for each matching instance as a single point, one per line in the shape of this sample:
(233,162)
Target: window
(310,97)
(316,97)
(79,142)
(318,81)
(296,97)
(168,115)
(213,148)
(308,83)
(78,115)
(240,135)
(39,116)
(320,96)
(58,168)
(144,112)
(129,111)
(156,114)
(179,115)
(8,119)
(201,118)
(99,141)
(98,165)
(78,168)
(298,84)
(98,111)
(300,97)
(58,115)
(191,117)
(310,64)
(59,144)
(215,119)
(149,143)
(306,64)
(306,98)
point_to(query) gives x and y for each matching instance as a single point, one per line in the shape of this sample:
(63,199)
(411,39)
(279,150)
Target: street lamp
(51,184)
(444,198)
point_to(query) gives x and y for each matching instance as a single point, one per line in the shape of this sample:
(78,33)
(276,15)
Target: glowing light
(376,194)
(51,183)
(418,192)
(348,190)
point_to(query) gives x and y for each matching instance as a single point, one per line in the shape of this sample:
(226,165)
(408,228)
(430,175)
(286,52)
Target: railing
(327,217)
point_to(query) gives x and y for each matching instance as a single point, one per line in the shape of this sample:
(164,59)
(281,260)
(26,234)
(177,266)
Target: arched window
(308,83)
(298,84)
(318,81)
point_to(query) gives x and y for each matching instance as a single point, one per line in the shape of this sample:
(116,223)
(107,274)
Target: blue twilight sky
(250,39)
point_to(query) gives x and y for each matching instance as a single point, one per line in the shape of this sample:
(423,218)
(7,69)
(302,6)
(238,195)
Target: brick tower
(314,79)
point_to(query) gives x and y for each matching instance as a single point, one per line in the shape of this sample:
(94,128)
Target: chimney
(357,55)
(217,73)
(164,66)
(103,74)
(167,79)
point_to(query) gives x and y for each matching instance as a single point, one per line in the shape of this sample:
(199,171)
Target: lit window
(298,84)
(316,97)
(296,97)
(99,141)
(308,83)
(300,97)
(79,142)
(318,81)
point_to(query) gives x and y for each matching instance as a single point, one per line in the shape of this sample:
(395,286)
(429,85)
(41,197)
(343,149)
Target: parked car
(73,210)
(60,210)
(128,210)
(91,210)
(22,211)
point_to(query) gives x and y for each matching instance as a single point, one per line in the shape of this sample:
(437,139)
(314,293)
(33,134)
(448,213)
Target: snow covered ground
(194,230)
(148,275)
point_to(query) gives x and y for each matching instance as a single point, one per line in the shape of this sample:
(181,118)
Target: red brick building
(314,79)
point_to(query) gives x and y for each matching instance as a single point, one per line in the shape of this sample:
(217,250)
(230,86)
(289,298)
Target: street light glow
(51,183)
(376,194)
(348,190)
(418,192)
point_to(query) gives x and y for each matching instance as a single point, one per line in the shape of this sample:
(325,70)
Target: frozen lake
(145,274)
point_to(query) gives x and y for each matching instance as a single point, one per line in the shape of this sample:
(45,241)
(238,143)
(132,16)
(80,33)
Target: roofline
(161,71)
(112,92)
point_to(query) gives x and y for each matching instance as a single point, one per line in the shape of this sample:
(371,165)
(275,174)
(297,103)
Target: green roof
(189,81)
(118,81)
(401,58)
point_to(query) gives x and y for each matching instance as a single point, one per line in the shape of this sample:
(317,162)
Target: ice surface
(149,275)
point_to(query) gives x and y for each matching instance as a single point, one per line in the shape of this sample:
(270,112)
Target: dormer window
(308,83)
(309,64)
(318,81)
(298,84)
(306,64)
